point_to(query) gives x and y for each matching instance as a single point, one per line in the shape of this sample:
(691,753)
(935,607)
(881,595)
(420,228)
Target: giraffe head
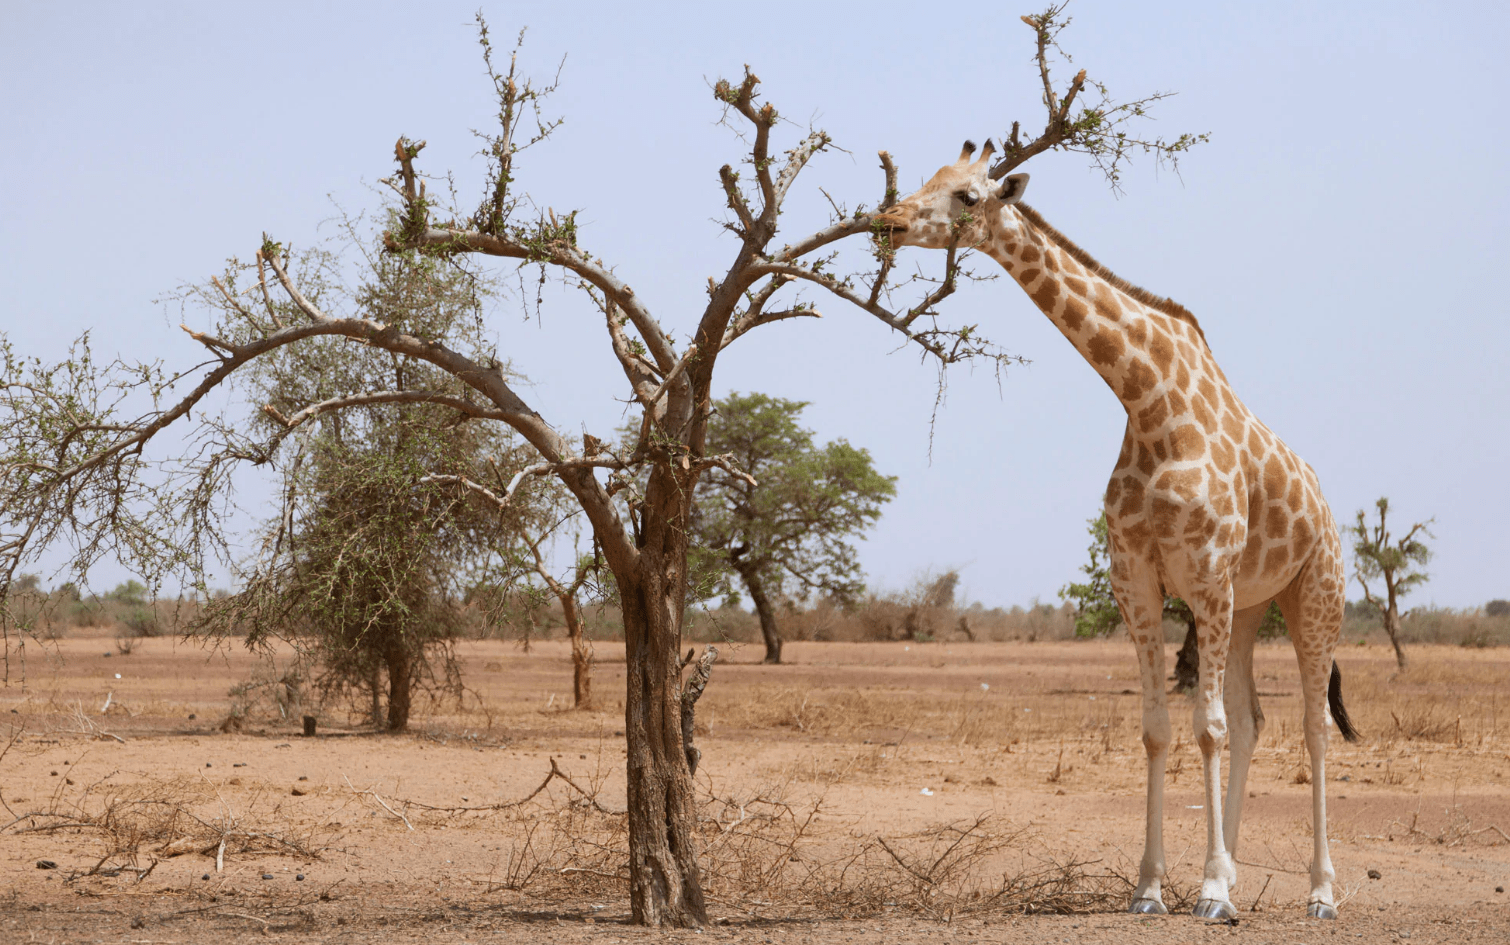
(961,194)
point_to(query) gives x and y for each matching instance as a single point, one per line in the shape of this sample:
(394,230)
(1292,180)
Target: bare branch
(461,404)
(671,376)
(543,469)
(736,200)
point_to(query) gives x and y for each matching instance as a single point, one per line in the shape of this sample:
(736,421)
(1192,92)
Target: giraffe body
(1205,502)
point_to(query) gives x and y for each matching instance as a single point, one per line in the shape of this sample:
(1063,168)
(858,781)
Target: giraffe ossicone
(1205,503)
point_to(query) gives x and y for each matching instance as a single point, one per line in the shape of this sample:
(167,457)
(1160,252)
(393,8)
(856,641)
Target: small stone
(207,764)
(298,793)
(46,865)
(1499,889)
(205,877)
(1375,874)
(107,652)
(239,764)
(303,777)
(267,875)
(299,878)
(192,716)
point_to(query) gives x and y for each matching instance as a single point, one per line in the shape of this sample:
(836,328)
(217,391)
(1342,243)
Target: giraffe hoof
(1321,910)
(1147,907)
(1214,909)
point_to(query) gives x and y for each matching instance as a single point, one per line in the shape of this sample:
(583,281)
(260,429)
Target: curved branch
(461,404)
(565,257)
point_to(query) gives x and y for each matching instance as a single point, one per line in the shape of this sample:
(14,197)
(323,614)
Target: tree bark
(581,652)
(375,685)
(400,664)
(767,613)
(1187,667)
(665,883)
(1392,624)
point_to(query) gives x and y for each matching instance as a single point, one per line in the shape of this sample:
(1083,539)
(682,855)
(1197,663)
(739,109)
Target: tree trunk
(400,664)
(1187,667)
(1392,627)
(375,685)
(581,653)
(665,884)
(767,614)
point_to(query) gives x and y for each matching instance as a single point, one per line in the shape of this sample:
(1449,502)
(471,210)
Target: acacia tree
(1395,562)
(787,531)
(73,441)
(365,565)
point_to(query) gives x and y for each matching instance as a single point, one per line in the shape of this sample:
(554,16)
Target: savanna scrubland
(892,778)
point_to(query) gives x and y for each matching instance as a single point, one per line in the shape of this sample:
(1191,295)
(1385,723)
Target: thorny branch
(1098,130)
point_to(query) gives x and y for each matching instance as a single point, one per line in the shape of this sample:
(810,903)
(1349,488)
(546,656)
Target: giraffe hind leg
(1245,719)
(1312,606)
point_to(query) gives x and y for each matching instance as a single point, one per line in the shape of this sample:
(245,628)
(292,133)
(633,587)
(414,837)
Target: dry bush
(1425,723)
(1457,829)
(1470,627)
(763,853)
(150,822)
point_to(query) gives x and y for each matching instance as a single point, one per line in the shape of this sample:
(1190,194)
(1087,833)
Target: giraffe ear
(1013,188)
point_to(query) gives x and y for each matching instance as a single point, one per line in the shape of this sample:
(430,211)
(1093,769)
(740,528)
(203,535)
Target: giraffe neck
(1141,351)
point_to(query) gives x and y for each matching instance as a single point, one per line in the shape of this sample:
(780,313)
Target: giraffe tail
(1339,711)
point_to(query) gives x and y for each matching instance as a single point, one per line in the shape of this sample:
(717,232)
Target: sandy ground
(887,739)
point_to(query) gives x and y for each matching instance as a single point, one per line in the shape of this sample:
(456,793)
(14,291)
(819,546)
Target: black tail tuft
(1339,711)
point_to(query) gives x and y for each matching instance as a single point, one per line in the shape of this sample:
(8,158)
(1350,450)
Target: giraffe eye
(969,199)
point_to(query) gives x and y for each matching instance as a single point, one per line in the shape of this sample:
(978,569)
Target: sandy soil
(887,739)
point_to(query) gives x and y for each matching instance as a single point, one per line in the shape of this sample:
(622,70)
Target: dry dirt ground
(923,792)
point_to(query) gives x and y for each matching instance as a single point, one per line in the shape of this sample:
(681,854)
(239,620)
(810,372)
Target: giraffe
(1205,502)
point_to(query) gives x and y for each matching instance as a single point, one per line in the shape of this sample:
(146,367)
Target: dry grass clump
(763,853)
(1444,697)
(982,718)
(137,825)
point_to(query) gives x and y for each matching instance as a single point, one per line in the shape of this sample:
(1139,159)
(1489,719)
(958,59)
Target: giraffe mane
(1157,302)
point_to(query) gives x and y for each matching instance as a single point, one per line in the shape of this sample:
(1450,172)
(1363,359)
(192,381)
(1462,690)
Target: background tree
(74,434)
(789,532)
(1097,614)
(1394,562)
(367,563)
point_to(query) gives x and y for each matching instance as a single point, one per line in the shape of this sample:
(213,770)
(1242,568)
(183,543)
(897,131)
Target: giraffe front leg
(1213,613)
(1142,611)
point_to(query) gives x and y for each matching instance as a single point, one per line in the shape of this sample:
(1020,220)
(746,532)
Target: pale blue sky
(1340,238)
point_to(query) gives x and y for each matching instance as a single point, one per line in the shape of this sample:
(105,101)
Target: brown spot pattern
(1187,443)
(1152,417)
(1140,380)
(1106,347)
(1161,349)
(1046,294)
(1074,313)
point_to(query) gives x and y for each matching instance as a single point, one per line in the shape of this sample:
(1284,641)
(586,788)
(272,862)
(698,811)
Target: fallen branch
(380,801)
